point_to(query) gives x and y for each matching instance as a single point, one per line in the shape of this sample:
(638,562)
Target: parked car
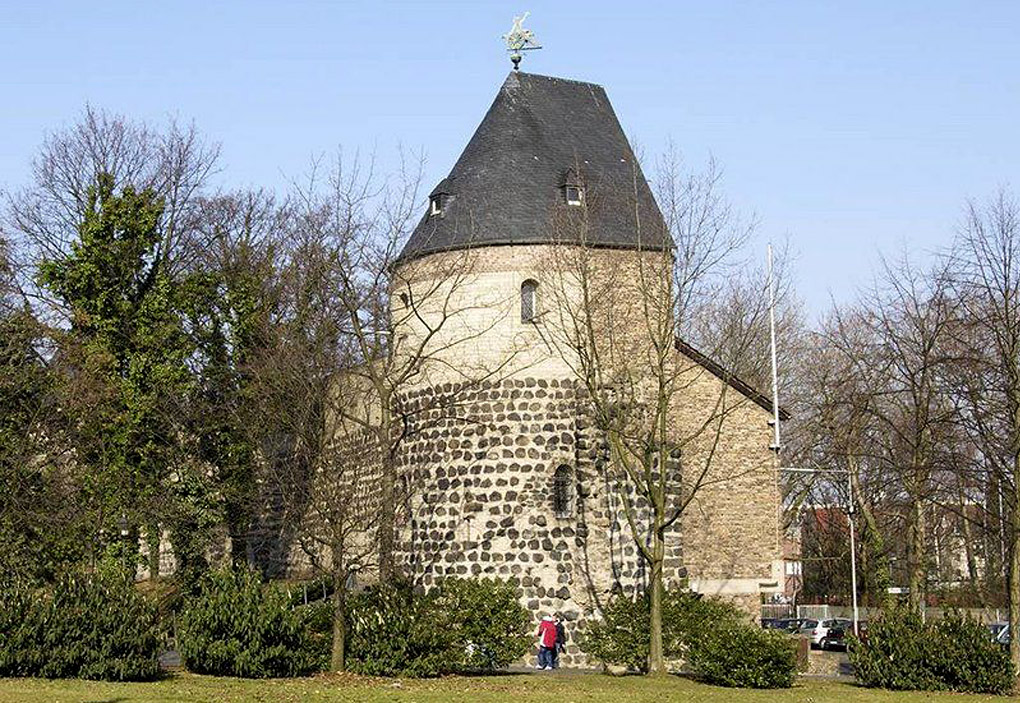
(996,629)
(817,629)
(791,625)
(1003,636)
(834,639)
(784,624)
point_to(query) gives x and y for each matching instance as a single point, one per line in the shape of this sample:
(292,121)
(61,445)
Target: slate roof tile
(507,185)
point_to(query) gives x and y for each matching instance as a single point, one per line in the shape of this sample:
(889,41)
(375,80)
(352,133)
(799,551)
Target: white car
(817,629)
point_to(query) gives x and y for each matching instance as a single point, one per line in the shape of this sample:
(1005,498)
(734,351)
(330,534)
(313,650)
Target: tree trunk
(874,561)
(238,542)
(387,515)
(336,652)
(968,536)
(656,659)
(917,540)
(1014,573)
(993,534)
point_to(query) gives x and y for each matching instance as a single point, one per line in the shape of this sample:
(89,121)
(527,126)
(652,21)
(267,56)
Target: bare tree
(318,480)
(879,410)
(736,315)
(911,319)
(173,161)
(837,430)
(987,262)
(615,320)
(403,320)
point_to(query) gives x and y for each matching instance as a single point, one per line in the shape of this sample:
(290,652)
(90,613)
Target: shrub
(490,624)
(90,626)
(458,626)
(712,637)
(967,660)
(317,617)
(391,631)
(903,652)
(621,636)
(237,627)
(744,656)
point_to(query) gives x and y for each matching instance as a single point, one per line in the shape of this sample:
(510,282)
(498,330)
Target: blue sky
(850,127)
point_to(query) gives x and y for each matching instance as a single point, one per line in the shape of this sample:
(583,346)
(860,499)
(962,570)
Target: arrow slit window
(529,300)
(563,492)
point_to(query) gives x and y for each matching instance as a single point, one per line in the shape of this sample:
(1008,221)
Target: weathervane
(519,39)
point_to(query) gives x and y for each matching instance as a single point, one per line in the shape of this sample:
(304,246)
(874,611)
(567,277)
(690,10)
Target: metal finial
(519,39)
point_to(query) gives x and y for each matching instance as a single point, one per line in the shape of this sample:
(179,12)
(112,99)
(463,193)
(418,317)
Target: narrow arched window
(529,300)
(563,492)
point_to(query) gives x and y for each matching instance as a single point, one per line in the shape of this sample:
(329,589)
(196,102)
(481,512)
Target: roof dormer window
(574,195)
(573,191)
(436,204)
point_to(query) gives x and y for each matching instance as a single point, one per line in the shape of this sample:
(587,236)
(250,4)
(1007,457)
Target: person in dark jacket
(561,641)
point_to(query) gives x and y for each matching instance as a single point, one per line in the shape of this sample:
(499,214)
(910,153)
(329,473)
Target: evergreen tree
(125,356)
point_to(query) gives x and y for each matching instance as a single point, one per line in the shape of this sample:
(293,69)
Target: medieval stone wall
(495,408)
(482,475)
(731,531)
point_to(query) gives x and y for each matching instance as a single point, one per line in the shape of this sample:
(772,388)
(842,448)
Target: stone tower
(501,457)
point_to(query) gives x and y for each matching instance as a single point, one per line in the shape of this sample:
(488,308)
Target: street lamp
(850,519)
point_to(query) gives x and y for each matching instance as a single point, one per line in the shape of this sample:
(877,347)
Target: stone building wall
(495,408)
(733,525)
(731,531)
(482,502)
(468,304)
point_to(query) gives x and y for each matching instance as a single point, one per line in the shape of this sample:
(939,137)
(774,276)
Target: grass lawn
(537,688)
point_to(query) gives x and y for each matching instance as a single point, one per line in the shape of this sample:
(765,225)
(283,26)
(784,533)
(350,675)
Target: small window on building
(563,492)
(436,205)
(575,195)
(529,300)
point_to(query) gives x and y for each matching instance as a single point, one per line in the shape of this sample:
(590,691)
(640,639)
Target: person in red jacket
(546,642)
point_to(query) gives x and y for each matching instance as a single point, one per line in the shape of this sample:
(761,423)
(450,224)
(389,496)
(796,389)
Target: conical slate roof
(507,187)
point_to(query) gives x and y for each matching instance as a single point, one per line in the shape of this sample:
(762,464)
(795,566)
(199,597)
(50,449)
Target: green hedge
(953,654)
(235,626)
(713,638)
(744,656)
(317,617)
(621,636)
(391,631)
(491,626)
(458,626)
(90,626)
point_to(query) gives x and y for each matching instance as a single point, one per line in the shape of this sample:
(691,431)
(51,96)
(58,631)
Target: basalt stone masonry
(485,462)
